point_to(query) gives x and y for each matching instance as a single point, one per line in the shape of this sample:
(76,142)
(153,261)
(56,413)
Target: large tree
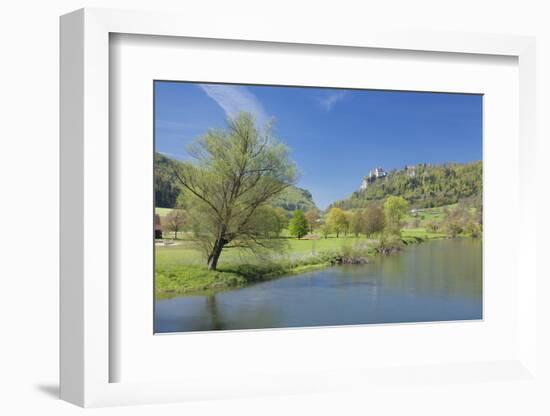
(233,175)
(312,217)
(298,224)
(357,222)
(325,230)
(375,220)
(174,221)
(282,217)
(395,208)
(337,221)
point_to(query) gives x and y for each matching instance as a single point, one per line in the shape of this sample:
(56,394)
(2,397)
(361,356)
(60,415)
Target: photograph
(296,206)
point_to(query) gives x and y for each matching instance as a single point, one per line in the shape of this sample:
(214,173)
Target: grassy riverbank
(180,267)
(190,279)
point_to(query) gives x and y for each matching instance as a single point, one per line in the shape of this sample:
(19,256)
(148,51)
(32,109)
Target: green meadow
(180,265)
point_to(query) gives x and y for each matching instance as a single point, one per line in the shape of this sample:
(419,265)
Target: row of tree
(374,219)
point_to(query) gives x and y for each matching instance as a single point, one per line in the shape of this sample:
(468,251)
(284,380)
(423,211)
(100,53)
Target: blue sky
(336,135)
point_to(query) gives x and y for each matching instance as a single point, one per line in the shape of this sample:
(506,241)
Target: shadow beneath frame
(51,390)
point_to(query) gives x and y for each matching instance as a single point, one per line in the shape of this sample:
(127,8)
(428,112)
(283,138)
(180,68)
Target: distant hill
(422,185)
(294,198)
(167,190)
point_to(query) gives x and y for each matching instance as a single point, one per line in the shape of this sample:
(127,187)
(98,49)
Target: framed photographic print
(321,201)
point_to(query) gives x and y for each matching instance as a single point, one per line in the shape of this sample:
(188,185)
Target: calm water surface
(432,281)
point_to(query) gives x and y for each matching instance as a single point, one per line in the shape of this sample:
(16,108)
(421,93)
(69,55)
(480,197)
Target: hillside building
(374,174)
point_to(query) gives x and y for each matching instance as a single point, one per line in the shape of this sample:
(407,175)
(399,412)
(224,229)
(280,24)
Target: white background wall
(29,212)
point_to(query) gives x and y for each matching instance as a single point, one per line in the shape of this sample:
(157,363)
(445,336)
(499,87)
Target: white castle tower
(374,174)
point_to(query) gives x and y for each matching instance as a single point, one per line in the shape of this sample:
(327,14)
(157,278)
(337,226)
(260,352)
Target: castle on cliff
(374,174)
(379,173)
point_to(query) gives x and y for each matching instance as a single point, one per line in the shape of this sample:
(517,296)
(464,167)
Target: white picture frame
(86,355)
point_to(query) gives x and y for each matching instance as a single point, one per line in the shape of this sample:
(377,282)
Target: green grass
(184,252)
(192,279)
(426,214)
(180,268)
(162,211)
(325,244)
(199,280)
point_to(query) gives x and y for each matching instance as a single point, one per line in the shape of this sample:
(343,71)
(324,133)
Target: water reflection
(434,281)
(212,311)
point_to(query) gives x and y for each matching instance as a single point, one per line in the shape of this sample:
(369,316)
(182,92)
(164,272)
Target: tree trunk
(216,252)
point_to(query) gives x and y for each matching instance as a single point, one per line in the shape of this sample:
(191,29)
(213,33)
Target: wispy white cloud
(234,99)
(330,101)
(171,155)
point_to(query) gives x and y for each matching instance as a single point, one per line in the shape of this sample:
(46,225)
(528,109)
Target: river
(432,281)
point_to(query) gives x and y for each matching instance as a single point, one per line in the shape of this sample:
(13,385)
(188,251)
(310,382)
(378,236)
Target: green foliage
(282,217)
(454,222)
(186,279)
(293,198)
(395,208)
(337,221)
(453,228)
(174,221)
(357,222)
(325,230)
(253,272)
(462,219)
(234,176)
(473,228)
(375,220)
(347,224)
(165,184)
(430,186)
(298,226)
(389,244)
(312,217)
(267,222)
(354,253)
(432,226)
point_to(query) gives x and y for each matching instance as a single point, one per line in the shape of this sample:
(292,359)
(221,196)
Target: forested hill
(294,198)
(422,185)
(167,190)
